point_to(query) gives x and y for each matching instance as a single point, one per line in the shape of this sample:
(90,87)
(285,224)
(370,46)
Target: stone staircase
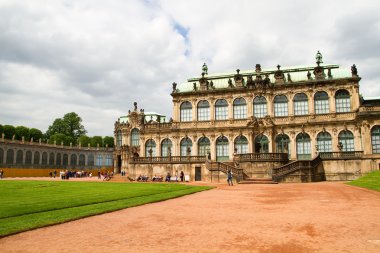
(257,181)
(119,178)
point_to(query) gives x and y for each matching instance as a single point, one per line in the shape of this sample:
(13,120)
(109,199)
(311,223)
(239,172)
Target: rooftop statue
(318,58)
(354,70)
(204,69)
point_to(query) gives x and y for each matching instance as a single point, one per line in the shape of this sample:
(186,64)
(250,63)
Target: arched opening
(10,156)
(82,160)
(186,145)
(135,137)
(166,147)
(58,161)
(221,109)
(65,160)
(119,139)
(241,144)
(280,106)
(346,141)
(260,107)
(321,102)
(222,153)
(203,110)
(240,108)
(91,161)
(1,156)
(342,101)
(324,142)
(261,144)
(303,146)
(36,158)
(150,148)
(51,158)
(73,160)
(99,160)
(186,111)
(44,158)
(28,157)
(19,157)
(282,144)
(301,104)
(203,146)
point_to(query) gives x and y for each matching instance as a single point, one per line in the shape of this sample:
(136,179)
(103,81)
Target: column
(357,140)
(270,106)
(270,144)
(175,110)
(313,142)
(311,104)
(212,110)
(194,110)
(334,141)
(366,139)
(250,142)
(290,106)
(293,151)
(230,109)
(231,149)
(332,104)
(249,107)
(213,149)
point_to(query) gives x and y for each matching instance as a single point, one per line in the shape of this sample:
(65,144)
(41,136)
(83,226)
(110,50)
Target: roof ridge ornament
(318,58)
(204,69)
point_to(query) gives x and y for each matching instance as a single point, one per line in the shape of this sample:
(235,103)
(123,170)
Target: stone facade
(303,111)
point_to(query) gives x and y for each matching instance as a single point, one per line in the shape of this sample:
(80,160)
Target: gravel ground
(313,217)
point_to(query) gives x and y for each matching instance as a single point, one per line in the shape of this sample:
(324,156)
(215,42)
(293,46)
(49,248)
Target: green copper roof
(148,116)
(297,74)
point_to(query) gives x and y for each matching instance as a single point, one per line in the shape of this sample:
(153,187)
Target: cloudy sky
(97,57)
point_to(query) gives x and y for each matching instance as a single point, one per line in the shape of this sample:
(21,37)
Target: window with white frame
(375,139)
(321,102)
(303,146)
(135,137)
(203,110)
(301,105)
(150,148)
(203,146)
(260,107)
(280,106)
(342,101)
(186,145)
(221,109)
(346,139)
(222,149)
(240,108)
(324,142)
(241,145)
(166,147)
(186,111)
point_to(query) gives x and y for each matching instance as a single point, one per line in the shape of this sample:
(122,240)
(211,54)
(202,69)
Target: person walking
(229,177)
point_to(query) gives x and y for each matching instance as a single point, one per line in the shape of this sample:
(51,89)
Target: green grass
(26,205)
(369,181)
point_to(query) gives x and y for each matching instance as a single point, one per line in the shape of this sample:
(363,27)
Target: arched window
(1,156)
(51,158)
(109,160)
(346,138)
(59,159)
(301,105)
(186,109)
(241,144)
(166,147)
(44,158)
(203,110)
(186,145)
(221,109)
(261,144)
(82,160)
(19,156)
(222,149)
(303,146)
(99,160)
(10,156)
(375,139)
(135,137)
(321,102)
(282,143)
(28,157)
(36,158)
(65,160)
(91,161)
(342,101)
(203,146)
(324,142)
(150,148)
(119,141)
(240,108)
(260,107)
(280,106)
(73,160)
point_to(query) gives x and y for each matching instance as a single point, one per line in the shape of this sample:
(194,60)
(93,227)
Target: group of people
(142,178)
(105,176)
(66,174)
(181,177)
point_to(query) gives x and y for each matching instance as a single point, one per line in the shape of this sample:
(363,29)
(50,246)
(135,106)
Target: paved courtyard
(315,217)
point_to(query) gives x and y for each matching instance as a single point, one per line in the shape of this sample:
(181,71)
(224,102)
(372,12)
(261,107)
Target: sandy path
(315,217)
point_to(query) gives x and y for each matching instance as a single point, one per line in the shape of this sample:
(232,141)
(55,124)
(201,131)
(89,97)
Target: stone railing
(341,155)
(224,167)
(169,159)
(158,126)
(258,157)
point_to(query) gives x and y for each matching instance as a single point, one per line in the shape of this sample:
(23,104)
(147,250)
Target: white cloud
(96,57)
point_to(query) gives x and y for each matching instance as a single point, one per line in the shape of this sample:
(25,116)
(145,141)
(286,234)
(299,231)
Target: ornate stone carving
(279,75)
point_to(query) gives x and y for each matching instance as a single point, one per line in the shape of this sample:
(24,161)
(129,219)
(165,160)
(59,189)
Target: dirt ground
(313,217)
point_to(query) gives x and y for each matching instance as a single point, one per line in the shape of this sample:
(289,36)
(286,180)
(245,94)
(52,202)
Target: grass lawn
(26,205)
(369,181)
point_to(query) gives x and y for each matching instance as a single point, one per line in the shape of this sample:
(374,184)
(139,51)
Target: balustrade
(341,155)
(169,159)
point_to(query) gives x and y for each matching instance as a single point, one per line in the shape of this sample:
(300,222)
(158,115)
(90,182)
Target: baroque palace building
(300,124)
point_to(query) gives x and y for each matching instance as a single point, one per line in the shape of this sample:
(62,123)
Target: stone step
(258,181)
(119,178)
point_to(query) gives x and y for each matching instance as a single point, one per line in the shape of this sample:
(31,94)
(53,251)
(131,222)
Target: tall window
(186,111)
(28,157)
(203,110)
(135,137)
(260,107)
(240,108)
(375,138)
(44,158)
(203,146)
(166,147)
(19,156)
(2,156)
(346,138)
(10,155)
(261,144)
(36,158)
(342,101)
(109,160)
(65,159)
(99,160)
(280,106)
(324,142)
(118,139)
(186,145)
(303,146)
(150,148)
(241,145)
(51,159)
(58,161)
(301,105)
(321,102)
(222,149)
(91,161)
(73,160)
(221,109)
(282,143)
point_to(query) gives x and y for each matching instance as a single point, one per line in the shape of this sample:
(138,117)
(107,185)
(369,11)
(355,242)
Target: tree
(58,127)
(21,131)
(9,131)
(84,140)
(36,134)
(96,140)
(1,130)
(108,140)
(59,138)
